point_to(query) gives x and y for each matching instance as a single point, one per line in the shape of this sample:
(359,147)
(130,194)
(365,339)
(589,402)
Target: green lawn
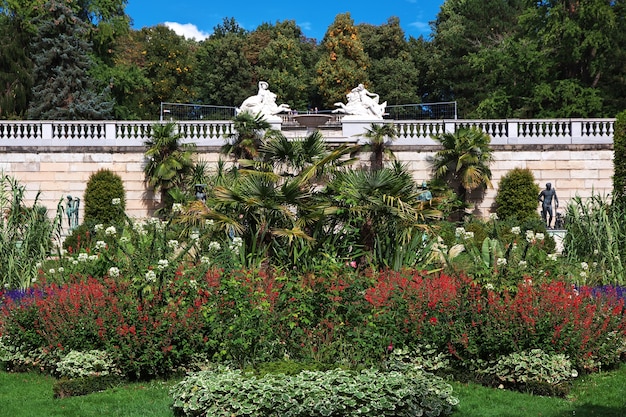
(21,395)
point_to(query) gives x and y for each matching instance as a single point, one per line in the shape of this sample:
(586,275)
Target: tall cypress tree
(62,88)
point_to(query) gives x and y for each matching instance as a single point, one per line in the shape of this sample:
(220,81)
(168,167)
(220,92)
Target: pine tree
(62,86)
(15,69)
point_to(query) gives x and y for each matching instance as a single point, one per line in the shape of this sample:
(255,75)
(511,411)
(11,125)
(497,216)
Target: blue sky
(197,18)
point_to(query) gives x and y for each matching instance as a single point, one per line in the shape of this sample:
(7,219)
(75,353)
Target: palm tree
(247,136)
(383,205)
(464,162)
(379,138)
(168,161)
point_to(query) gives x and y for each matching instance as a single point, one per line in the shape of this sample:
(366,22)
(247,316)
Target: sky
(195,19)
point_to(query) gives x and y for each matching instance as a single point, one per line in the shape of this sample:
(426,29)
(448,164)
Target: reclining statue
(264,103)
(362,103)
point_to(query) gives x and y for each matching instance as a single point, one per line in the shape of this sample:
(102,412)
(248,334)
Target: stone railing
(212,133)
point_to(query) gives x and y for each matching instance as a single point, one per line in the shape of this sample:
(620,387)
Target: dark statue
(545,197)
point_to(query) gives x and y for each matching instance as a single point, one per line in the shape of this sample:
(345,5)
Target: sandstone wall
(572,170)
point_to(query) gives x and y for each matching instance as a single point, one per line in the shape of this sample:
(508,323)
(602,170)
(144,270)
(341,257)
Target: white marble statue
(362,103)
(264,102)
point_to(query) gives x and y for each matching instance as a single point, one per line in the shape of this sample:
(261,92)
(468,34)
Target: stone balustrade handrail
(212,133)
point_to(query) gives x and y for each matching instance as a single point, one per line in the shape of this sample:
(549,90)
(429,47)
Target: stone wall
(572,169)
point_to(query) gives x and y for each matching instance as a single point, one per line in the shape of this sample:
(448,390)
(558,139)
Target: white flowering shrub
(83,364)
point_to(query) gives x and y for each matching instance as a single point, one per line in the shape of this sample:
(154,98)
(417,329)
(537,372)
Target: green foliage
(62,87)
(530,371)
(464,162)
(65,387)
(78,364)
(105,199)
(619,160)
(26,235)
(595,235)
(337,392)
(517,195)
(343,63)
(15,69)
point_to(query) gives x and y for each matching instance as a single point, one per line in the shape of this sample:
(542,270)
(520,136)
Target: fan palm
(247,136)
(379,138)
(464,162)
(168,160)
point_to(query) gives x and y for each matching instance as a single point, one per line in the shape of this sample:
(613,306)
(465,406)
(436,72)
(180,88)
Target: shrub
(78,364)
(337,392)
(517,195)
(532,371)
(103,189)
(86,385)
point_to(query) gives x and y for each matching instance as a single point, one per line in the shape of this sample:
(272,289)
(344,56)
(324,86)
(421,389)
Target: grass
(30,394)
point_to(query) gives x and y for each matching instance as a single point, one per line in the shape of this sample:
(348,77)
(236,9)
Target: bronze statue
(72,212)
(545,197)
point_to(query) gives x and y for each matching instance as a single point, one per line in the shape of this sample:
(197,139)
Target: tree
(464,162)
(170,66)
(379,137)
(225,76)
(343,63)
(62,87)
(168,161)
(247,136)
(392,71)
(287,61)
(15,69)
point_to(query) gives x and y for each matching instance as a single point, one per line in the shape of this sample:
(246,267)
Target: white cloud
(188,30)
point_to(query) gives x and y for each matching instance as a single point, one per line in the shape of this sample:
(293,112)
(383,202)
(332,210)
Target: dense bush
(308,394)
(105,198)
(517,195)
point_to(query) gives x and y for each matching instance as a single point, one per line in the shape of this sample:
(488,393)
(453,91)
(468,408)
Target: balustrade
(212,133)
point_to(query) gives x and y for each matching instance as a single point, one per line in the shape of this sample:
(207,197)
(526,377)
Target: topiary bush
(517,195)
(105,198)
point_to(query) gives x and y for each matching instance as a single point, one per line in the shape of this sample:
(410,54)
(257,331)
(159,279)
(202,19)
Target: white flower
(193,283)
(208,222)
(51,271)
(74,262)
(61,269)
(516,230)
(173,244)
(460,231)
(514,246)
(114,272)
(6,284)
(93,257)
(116,202)
(468,235)
(32,280)
(552,256)
(493,216)
(38,265)
(101,244)
(489,286)
(150,276)
(163,263)
(124,239)
(194,236)
(205,260)
(530,235)
(501,261)
(110,231)
(522,264)
(584,266)
(98,227)
(595,252)
(540,237)
(215,246)
(583,274)
(82,257)
(177,208)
